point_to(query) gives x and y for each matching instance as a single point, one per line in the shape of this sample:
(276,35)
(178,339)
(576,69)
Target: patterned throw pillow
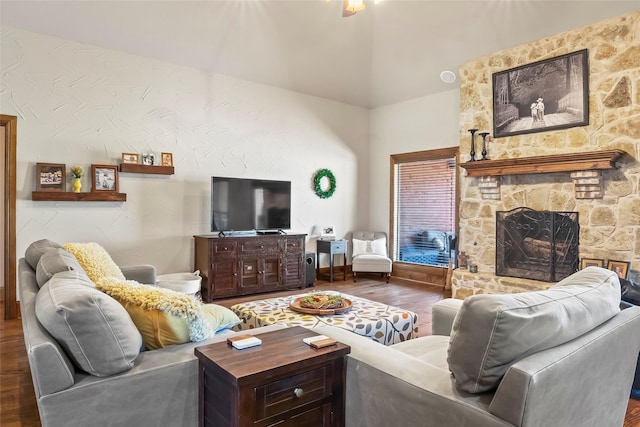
(95,260)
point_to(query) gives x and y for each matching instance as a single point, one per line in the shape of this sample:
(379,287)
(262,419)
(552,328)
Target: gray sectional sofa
(159,389)
(563,357)
(558,358)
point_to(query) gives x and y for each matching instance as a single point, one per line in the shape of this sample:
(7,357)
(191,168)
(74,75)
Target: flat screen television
(242,204)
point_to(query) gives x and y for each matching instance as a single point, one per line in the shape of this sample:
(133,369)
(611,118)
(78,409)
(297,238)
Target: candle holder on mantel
(473,144)
(484,144)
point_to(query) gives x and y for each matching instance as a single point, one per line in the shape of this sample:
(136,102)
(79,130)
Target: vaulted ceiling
(392,51)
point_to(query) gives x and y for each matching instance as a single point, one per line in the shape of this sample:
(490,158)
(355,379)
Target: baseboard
(424,274)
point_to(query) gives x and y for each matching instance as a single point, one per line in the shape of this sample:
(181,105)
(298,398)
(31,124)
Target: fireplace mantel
(545,164)
(585,168)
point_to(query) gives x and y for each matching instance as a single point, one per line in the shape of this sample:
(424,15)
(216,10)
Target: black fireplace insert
(537,245)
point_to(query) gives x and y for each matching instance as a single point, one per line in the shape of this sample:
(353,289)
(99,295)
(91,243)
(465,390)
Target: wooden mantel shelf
(596,160)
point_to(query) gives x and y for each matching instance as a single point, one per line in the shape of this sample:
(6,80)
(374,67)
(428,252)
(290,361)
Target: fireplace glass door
(537,245)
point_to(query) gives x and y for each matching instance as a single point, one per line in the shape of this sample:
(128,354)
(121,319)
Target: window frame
(430,272)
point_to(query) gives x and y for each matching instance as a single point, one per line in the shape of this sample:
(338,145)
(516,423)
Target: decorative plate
(295,306)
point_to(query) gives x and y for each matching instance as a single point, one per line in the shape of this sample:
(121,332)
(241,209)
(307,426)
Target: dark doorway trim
(10,124)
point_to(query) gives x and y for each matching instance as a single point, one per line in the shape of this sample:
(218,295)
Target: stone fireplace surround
(609,221)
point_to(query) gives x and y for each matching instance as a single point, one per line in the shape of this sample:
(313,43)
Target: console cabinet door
(293,262)
(271,272)
(224,277)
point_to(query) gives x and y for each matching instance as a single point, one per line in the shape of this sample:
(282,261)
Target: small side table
(332,247)
(283,381)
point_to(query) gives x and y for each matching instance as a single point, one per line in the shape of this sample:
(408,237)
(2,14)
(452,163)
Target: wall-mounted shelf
(69,196)
(596,160)
(155,170)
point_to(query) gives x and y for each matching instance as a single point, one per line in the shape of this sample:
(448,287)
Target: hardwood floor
(17,398)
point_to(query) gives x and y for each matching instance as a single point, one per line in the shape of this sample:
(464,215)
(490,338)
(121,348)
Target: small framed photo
(327,233)
(591,262)
(50,177)
(104,178)
(621,268)
(130,158)
(147,159)
(167,159)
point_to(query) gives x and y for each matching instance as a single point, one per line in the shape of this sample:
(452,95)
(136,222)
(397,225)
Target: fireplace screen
(537,245)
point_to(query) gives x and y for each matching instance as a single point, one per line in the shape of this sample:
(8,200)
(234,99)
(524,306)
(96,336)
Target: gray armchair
(370,253)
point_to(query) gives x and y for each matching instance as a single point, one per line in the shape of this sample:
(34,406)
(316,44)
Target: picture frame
(167,159)
(50,176)
(542,96)
(591,262)
(148,159)
(130,158)
(327,233)
(104,178)
(621,268)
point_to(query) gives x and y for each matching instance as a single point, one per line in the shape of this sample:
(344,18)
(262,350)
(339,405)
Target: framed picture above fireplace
(621,268)
(542,96)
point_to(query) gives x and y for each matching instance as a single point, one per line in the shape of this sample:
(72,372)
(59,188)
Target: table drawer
(260,246)
(222,247)
(339,247)
(286,394)
(294,245)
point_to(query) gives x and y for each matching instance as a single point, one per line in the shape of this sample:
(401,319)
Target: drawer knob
(298,392)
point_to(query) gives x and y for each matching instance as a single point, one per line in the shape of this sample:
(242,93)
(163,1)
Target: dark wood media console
(245,265)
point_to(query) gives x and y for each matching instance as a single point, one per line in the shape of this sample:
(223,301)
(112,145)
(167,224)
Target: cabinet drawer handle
(298,392)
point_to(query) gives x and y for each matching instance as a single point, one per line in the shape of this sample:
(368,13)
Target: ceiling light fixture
(351,7)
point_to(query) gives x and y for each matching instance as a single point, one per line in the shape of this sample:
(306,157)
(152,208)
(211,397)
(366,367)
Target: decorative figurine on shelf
(462,259)
(473,144)
(76,173)
(484,144)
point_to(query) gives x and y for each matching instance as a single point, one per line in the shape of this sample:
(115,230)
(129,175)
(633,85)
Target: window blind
(425,211)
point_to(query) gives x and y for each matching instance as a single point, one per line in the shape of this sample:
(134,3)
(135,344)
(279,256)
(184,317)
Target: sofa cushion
(630,291)
(369,247)
(165,317)
(95,260)
(54,261)
(36,249)
(491,332)
(94,329)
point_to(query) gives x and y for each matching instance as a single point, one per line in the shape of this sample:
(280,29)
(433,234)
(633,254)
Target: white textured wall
(420,124)
(79,104)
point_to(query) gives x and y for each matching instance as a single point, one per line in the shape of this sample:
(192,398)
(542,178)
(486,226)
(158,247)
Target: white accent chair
(370,253)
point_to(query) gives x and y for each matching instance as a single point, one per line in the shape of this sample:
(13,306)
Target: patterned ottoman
(380,322)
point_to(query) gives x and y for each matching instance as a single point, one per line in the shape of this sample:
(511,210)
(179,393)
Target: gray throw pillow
(95,331)
(55,261)
(37,249)
(491,332)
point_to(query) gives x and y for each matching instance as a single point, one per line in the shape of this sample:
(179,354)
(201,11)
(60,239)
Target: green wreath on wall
(317,183)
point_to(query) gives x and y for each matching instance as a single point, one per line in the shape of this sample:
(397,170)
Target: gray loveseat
(160,388)
(558,358)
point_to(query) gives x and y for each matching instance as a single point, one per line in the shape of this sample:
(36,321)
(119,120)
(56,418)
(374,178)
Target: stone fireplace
(538,245)
(606,199)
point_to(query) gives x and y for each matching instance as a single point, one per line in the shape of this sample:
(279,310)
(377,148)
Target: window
(424,207)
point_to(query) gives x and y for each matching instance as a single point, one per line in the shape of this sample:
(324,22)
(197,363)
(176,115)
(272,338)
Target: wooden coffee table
(281,382)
